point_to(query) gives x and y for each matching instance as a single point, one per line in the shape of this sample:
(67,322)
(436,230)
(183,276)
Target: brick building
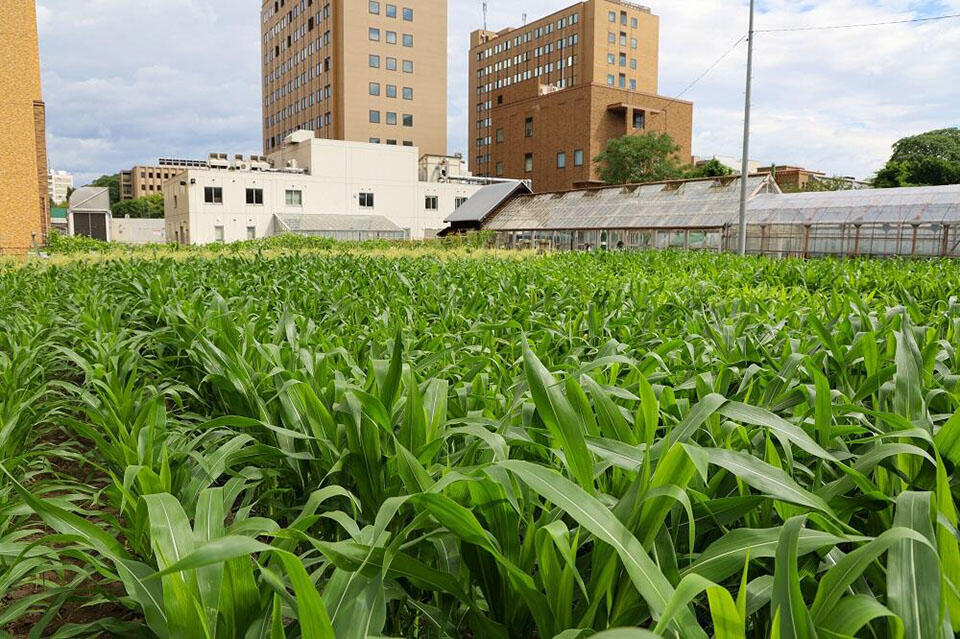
(545,98)
(24,207)
(356,70)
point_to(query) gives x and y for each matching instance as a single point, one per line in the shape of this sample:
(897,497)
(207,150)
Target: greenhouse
(703,214)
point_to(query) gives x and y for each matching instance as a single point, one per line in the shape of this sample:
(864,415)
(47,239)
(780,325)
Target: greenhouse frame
(703,214)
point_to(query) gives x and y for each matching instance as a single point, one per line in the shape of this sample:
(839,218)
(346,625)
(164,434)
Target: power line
(712,67)
(859,26)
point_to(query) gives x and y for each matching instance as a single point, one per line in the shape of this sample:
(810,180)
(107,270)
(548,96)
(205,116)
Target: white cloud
(128,82)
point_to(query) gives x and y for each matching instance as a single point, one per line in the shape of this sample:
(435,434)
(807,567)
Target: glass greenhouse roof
(714,203)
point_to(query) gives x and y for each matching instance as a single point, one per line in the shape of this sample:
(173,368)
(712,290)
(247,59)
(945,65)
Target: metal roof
(324,222)
(91,199)
(706,203)
(923,204)
(485,201)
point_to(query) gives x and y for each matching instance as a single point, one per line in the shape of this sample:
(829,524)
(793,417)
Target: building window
(499,169)
(408,66)
(374,34)
(391,11)
(251,232)
(528,127)
(639,121)
(374,61)
(561,160)
(408,143)
(391,64)
(218,234)
(622,81)
(294,198)
(611,80)
(499,136)
(408,14)
(633,84)
(213,195)
(366,199)
(611,58)
(407,92)
(374,7)
(458,202)
(623,59)
(391,142)
(374,88)
(374,116)
(391,118)
(612,16)
(623,18)
(431,203)
(407,40)
(611,37)
(633,43)
(391,37)
(407,119)
(633,63)
(374,140)
(254,196)
(633,23)
(528,162)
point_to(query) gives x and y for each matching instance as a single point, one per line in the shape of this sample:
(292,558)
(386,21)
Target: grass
(419,443)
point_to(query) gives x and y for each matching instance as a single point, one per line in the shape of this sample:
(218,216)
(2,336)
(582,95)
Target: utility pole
(745,167)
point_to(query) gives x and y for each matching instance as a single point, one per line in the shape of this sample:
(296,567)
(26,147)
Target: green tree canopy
(112,182)
(150,206)
(927,159)
(639,158)
(713,168)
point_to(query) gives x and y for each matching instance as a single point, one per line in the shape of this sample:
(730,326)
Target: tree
(713,168)
(150,206)
(650,157)
(927,159)
(112,182)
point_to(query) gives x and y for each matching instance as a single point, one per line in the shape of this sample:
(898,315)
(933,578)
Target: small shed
(89,213)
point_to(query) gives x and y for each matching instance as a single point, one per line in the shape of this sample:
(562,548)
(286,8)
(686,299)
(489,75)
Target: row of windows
(391,142)
(612,58)
(520,58)
(390,117)
(612,16)
(218,233)
(545,69)
(621,81)
(533,34)
(612,39)
(528,161)
(390,64)
(391,91)
(390,11)
(390,37)
(214,195)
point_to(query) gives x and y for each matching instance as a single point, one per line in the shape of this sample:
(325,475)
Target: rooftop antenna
(524,19)
(484,16)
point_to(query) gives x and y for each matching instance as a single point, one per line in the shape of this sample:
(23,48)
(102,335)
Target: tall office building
(24,208)
(357,70)
(546,98)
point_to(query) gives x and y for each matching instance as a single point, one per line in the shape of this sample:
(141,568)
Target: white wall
(340,171)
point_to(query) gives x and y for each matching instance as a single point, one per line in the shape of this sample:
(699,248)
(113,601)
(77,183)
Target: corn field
(345,446)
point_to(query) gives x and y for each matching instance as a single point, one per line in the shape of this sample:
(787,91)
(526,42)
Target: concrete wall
(138,231)
(23,171)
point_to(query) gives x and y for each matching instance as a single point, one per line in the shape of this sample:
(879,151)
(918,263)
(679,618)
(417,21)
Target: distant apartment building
(546,98)
(59,184)
(309,186)
(24,203)
(141,181)
(358,70)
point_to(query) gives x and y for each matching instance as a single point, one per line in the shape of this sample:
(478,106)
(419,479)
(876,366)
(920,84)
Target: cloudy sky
(128,82)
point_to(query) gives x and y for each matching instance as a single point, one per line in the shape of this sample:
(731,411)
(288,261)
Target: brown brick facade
(40,132)
(546,98)
(23,180)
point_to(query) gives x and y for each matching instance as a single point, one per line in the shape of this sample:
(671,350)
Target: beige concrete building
(545,98)
(59,185)
(141,181)
(24,207)
(359,70)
